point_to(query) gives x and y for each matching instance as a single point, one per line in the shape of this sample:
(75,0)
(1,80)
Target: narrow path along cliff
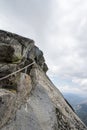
(28,98)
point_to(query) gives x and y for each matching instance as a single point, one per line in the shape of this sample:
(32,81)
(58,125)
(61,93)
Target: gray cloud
(25,17)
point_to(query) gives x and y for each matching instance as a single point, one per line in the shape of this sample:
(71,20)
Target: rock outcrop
(28,99)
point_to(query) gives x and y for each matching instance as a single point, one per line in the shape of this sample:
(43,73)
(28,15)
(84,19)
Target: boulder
(28,98)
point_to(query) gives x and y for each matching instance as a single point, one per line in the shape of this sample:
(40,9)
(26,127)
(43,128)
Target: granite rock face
(28,99)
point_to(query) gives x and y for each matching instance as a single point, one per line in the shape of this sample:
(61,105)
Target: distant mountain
(81,110)
(79,103)
(74,99)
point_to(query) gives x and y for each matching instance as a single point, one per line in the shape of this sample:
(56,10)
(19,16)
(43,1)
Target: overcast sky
(59,28)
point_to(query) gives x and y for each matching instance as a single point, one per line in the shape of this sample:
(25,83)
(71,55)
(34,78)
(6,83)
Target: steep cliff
(28,99)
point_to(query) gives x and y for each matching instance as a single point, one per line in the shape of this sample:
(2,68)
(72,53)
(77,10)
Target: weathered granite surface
(28,99)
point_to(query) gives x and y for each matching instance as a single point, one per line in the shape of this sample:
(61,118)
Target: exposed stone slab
(28,99)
